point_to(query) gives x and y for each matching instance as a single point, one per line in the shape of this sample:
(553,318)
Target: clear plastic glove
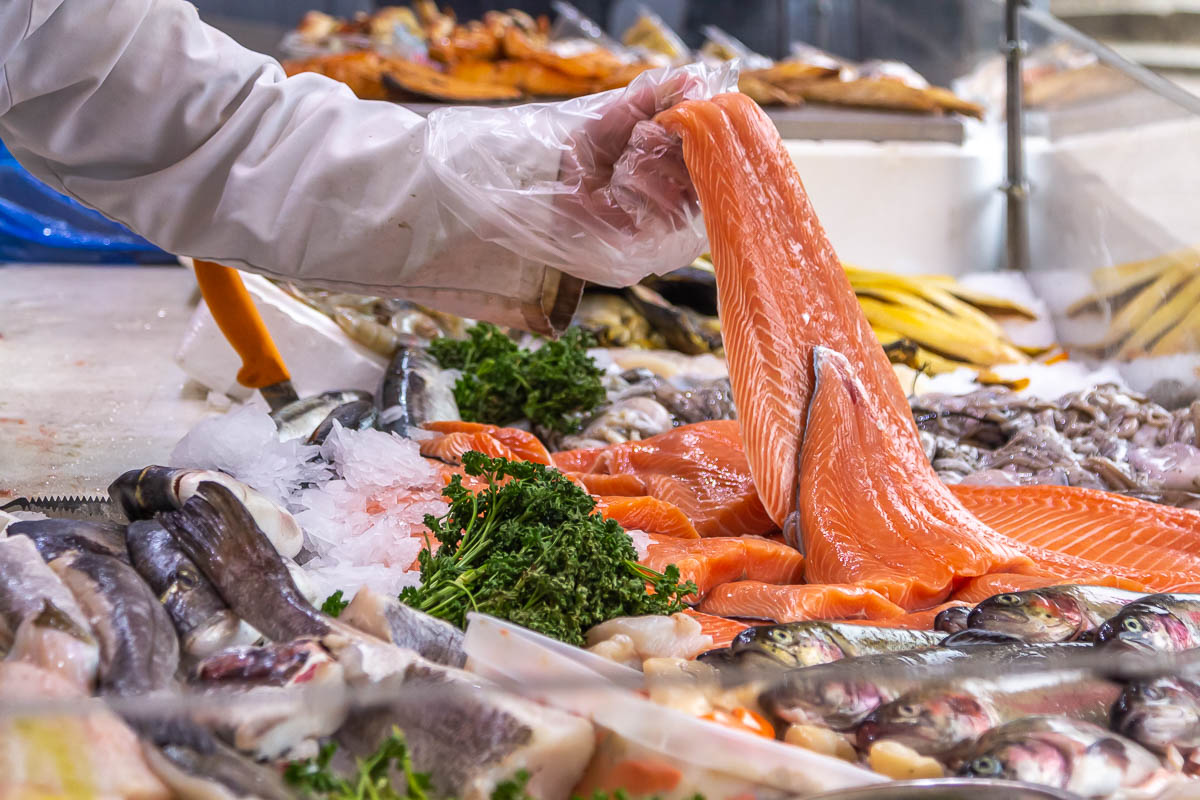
(588,186)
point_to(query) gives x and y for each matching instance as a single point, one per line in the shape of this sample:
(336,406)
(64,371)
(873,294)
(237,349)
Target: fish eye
(1133,625)
(1008,600)
(985,765)
(908,711)
(779,636)
(1152,693)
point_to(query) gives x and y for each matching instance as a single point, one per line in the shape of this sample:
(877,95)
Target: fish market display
(1102,438)
(425,53)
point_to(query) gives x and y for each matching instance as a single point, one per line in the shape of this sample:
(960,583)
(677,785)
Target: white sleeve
(139,110)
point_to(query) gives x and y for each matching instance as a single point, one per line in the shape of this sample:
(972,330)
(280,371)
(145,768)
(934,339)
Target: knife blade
(89,509)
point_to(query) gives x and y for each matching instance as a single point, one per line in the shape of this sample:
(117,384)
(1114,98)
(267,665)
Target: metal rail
(1016,187)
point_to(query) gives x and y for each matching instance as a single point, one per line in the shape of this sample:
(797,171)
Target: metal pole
(1016,188)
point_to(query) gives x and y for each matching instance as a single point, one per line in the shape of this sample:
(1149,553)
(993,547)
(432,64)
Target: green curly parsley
(552,387)
(334,605)
(529,549)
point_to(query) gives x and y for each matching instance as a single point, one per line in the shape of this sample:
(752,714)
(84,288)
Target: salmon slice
(868,515)
(520,445)
(757,600)
(979,589)
(713,561)
(611,485)
(699,468)
(647,514)
(1090,524)
(723,631)
(914,620)
(449,449)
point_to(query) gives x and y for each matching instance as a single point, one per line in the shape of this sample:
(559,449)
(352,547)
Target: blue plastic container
(37,224)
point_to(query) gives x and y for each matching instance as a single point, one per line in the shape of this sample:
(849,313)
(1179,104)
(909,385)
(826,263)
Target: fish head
(788,644)
(1159,713)
(1032,760)
(1144,627)
(952,620)
(932,722)
(839,704)
(1032,616)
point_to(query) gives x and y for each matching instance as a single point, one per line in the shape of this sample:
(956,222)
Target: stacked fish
(1152,307)
(1007,688)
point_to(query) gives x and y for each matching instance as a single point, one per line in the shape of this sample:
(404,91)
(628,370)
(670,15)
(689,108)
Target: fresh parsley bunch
(552,387)
(529,549)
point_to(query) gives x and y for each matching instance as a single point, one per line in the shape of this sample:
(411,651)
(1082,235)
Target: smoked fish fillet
(699,468)
(718,560)
(752,599)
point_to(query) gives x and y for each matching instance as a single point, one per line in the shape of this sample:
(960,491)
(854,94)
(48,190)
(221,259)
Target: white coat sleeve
(139,110)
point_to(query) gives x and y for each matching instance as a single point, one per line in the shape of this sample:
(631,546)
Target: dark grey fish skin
(191,772)
(301,417)
(202,619)
(412,392)
(56,537)
(357,415)
(387,618)
(219,535)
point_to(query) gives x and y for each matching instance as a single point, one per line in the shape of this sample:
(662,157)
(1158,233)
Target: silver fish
(55,537)
(952,620)
(202,619)
(301,418)
(388,619)
(1154,623)
(42,622)
(414,390)
(940,718)
(146,492)
(1050,614)
(1160,714)
(1083,758)
(357,415)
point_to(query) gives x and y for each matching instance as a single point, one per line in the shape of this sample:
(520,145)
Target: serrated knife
(89,509)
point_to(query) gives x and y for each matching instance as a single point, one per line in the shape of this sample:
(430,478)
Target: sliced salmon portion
(757,600)
(699,468)
(716,560)
(610,485)
(723,631)
(1093,525)
(868,515)
(914,620)
(647,514)
(513,444)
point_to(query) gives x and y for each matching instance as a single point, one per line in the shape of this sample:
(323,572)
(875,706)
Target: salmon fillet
(914,620)
(723,631)
(713,561)
(699,468)
(647,514)
(757,600)
(492,440)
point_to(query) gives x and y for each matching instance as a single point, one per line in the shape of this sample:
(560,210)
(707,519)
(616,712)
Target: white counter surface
(88,383)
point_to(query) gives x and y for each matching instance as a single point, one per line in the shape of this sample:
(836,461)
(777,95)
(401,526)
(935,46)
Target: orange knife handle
(239,320)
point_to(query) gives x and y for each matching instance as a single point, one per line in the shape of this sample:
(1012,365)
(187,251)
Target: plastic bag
(37,224)
(611,202)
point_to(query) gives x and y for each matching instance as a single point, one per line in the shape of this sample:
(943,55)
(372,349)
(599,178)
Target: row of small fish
(193,595)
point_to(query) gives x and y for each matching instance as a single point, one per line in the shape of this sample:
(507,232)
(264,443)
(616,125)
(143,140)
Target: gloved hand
(589,186)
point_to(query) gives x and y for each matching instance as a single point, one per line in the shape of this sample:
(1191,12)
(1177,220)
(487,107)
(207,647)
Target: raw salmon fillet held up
(717,560)
(699,468)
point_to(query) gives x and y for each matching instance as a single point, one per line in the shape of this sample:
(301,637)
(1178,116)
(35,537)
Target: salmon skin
(829,437)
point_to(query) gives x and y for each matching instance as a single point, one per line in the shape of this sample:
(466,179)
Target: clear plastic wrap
(598,195)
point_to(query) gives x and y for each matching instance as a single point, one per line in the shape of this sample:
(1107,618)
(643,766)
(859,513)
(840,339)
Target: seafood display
(425,53)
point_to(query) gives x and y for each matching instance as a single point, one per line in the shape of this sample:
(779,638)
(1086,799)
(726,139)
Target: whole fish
(217,532)
(1160,713)
(54,537)
(803,644)
(414,390)
(202,620)
(300,418)
(1050,614)
(357,415)
(388,619)
(952,620)
(939,719)
(1156,622)
(40,621)
(139,654)
(1079,757)
(152,490)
